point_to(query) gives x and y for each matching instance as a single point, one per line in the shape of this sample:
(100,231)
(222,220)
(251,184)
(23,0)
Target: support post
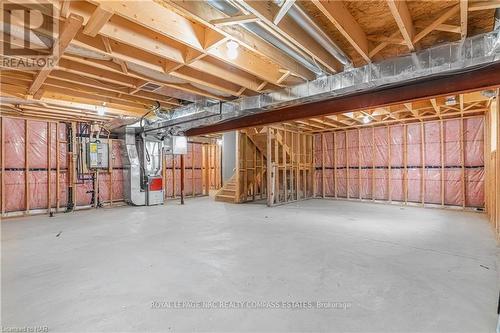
(335,164)
(276,171)
(245,166)
(270,190)
(283,151)
(237,169)
(441,150)
(405,163)
(193,188)
(422,153)
(359,164)
(389,166)
(347,162)
(462,160)
(182,179)
(373,163)
(26,167)
(174,185)
(110,170)
(49,169)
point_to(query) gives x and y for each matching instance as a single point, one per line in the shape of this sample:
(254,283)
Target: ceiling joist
(68,32)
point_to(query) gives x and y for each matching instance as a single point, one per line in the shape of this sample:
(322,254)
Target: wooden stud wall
(251,168)
(211,179)
(55,200)
(28,209)
(274,163)
(291,162)
(492,164)
(490,193)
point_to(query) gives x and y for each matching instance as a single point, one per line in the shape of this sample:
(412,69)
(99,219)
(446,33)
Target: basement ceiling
(124,56)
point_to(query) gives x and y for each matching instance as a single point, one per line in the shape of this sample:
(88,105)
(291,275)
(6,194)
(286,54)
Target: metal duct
(459,56)
(255,28)
(305,22)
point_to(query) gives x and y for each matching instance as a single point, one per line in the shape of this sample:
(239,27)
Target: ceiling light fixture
(232,49)
(101,110)
(450,100)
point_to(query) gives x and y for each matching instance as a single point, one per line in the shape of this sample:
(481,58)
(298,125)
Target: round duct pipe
(305,22)
(228,9)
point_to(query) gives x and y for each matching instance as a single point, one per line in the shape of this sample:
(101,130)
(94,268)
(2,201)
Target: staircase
(259,140)
(228,192)
(250,142)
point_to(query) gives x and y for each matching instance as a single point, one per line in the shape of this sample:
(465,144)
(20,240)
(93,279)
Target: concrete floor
(400,269)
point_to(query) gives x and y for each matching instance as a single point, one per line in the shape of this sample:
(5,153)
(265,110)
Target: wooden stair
(228,192)
(259,139)
(253,141)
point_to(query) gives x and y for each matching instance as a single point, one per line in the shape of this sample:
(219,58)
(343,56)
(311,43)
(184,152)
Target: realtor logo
(28,34)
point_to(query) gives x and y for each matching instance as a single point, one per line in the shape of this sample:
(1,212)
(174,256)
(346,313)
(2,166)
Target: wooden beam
(99,18)
(383,44)
(440,20)
(293,33)
(246,61)
(438,24)
(481,78)
(409,120)
(400,12)
(210,81)
(449,28)
(436,107)
(202,12)
(64,10)
(345,23)
(153,16)
(464,4)
(283,10)
(240,19)
(167,23)
(484,5)
(69,30)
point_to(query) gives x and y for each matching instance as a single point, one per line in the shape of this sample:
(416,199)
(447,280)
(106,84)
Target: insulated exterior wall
(196,173)
(26,168)
(435,162)
(26,164)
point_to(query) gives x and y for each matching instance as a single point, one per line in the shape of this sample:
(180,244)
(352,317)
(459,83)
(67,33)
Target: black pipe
(69,140)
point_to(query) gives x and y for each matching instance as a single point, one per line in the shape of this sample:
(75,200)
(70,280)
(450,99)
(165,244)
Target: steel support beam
(485,77)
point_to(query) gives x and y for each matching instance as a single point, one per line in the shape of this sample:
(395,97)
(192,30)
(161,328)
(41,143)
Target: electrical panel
(97,155)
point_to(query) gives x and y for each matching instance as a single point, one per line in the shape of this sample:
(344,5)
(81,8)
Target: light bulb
(101,110)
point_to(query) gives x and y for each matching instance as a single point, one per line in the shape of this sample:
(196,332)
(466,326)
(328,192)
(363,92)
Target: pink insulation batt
(370,162)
